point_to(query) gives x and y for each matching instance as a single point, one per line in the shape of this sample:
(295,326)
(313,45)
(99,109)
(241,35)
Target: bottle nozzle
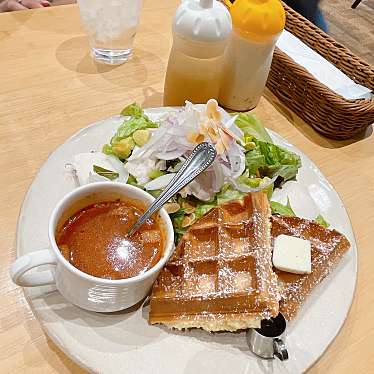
(206,3)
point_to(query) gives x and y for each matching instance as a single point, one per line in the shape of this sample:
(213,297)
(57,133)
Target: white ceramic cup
(81,289)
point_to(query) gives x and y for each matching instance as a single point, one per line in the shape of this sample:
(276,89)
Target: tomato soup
(95,240)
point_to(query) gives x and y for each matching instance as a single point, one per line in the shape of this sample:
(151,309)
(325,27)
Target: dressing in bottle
(201,30)
(257,25)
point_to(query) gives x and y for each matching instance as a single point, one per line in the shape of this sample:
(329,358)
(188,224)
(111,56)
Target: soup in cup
(98,267)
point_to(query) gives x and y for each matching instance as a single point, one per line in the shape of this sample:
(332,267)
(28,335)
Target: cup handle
(280,349)
(20,268)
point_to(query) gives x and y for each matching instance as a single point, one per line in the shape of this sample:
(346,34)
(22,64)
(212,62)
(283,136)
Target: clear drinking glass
(111,27)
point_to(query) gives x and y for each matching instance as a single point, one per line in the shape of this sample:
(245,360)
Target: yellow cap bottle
(257,25)
(258,20)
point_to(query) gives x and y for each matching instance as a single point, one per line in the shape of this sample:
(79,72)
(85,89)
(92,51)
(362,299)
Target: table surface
(50,88)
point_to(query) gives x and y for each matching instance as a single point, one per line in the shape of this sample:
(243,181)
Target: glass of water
(111,27)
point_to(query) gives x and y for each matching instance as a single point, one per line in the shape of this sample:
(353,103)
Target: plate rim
(75,358)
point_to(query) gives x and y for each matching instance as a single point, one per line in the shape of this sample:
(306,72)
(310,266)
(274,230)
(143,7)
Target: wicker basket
(327,112)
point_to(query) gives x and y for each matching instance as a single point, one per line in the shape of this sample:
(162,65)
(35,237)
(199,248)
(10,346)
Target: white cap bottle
(257,25)
(201,30)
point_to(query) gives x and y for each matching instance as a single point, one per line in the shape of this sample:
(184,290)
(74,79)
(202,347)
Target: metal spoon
(199,160)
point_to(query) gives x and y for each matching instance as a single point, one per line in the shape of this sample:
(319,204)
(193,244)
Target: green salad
(248,160)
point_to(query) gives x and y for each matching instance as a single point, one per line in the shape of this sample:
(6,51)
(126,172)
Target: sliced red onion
(169,142)
(140,169)
(161,165)
(170,155)
(236,157)
(200,191)
(219,179)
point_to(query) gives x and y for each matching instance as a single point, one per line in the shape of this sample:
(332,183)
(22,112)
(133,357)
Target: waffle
(220,276)
(328,247)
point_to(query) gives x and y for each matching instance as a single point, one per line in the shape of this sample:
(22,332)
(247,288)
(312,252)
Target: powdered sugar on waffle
(220,277)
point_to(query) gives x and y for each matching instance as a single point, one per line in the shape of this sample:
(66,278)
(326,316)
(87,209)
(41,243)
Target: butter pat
(292,254)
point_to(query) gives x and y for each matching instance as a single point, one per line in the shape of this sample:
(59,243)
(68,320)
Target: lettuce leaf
(137,121)
(254,160)
(321,221)
(176,219)
(252,127)
(268,159)
(203,209)
(107,149)
(283,210)
(131,125)
(228,193)
(132,110)
(132,180)
(109,174)
(286,210)
(155,193)
(263,158)
(256,182)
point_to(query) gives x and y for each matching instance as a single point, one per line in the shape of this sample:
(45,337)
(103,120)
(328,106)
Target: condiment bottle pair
(214,57)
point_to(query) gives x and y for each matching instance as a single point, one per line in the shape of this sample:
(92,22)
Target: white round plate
(124,342)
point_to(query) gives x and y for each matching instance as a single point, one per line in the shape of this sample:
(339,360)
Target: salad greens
(252,128)
(268,159)
(264,164)
(131,180)
(133,110)
(286,210)
(228,193)
(254,161)
(133,131)
(283,210)
(255,182)
(320,220)
(109,174)
(201,208)
(177,219)
(264,158)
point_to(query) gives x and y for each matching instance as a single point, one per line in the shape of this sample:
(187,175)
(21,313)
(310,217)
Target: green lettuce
(137,121)
(155,193)
(228,193)
(132,180)
(283,210)
(202,209)
(109,174)
(270,160)
(177,219)
(279,161)
(321,221)
(132,110)
(252,127)
(107,149)
(256,182)
(286,210)
(254,160)
(131,125)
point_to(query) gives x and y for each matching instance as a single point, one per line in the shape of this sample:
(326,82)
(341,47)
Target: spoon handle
(199,160)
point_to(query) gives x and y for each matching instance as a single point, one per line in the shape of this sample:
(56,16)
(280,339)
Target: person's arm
(10,5)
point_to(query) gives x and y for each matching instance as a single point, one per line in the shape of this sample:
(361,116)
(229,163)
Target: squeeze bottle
(257,25)
(201,29)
